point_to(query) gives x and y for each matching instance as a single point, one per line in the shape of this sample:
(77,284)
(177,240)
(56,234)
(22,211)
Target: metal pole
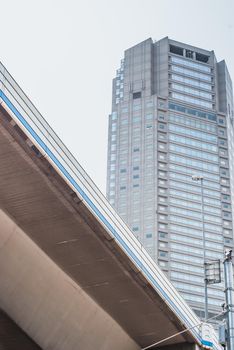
(204,251)
(229,294)
(200,178)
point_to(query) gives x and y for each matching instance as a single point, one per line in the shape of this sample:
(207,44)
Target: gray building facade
(172,118)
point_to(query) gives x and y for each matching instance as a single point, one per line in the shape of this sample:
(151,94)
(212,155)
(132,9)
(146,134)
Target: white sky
(64,55)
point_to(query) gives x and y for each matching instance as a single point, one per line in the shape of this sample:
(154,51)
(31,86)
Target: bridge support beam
(46,303)
(184,346)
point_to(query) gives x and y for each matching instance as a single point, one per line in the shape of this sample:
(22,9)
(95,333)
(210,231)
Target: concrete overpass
(72,274)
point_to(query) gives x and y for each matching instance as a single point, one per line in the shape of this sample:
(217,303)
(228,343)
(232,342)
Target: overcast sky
(64,55)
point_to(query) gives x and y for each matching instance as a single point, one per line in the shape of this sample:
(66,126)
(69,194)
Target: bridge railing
(42,135)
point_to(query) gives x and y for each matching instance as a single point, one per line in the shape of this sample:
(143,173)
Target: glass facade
(163,129)
(185,89)
(192,82)
(191,64)
(191,73)
(193,100)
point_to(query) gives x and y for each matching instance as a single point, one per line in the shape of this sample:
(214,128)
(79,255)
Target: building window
(162,234)
(161,103)
(202,58)
(163,254)
(161,116)
(176,50)
(193,112)
(222,142)
(136,107)
(136,119)
(191,64)
(221,121)
(149,116)
(188,90)
(136,95)
(162,244)
(161,126)
(221,132)
(191,73)
(193,82)
(193,100)
(162,174)
(162,226)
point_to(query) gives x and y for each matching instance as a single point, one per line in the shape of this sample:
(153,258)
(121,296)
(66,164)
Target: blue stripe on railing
(94,208)
(207,343)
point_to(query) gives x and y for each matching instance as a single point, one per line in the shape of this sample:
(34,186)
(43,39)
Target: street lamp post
(200,178)
(229,292)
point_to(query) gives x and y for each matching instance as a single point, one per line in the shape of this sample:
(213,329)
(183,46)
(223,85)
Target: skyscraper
(172,118)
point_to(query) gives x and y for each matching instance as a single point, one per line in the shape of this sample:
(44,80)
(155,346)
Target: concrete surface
(49,235)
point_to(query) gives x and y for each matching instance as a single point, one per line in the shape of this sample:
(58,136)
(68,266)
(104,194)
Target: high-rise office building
(172,118)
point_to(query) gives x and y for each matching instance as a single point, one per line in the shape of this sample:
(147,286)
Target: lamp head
(197,177)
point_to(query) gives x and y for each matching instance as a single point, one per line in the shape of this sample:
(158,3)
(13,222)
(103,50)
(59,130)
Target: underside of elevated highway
(12,337)
(65,284)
